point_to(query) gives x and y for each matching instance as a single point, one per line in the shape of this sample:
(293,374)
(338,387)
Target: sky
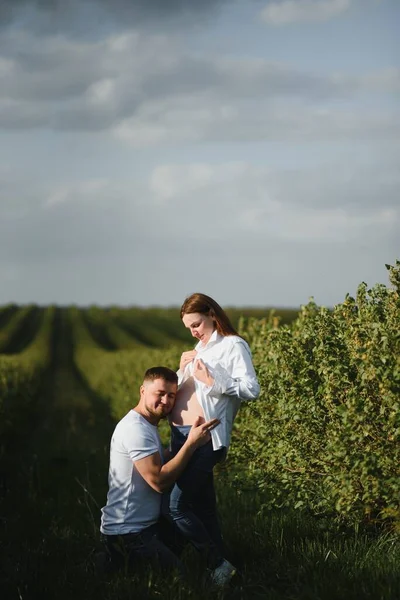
(149,149)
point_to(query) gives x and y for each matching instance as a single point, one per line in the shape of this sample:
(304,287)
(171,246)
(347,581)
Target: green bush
(325,433)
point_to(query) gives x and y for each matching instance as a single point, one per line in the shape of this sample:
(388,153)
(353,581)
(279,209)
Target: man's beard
(159,412)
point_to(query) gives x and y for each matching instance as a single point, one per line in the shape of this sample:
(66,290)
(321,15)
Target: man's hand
(187,358)
(202,374)
(161,476)
(199,434)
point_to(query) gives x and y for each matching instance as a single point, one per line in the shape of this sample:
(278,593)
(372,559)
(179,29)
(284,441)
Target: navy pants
(159,544)
(192,502)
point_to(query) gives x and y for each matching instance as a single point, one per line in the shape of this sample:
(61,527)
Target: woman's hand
(187,358)
(202,374)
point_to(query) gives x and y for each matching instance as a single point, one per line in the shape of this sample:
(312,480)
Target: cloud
(286,12)
(146,89)
(199,202)
(76,221)
(183,120)
(169,181)
(96,16)
(89,190)
(74,228)
(385,80)
(336,202)
(110,241)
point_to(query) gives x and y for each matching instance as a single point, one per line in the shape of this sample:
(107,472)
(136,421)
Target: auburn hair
(200,303)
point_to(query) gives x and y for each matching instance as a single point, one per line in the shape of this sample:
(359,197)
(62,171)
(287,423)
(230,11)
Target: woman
(213,379)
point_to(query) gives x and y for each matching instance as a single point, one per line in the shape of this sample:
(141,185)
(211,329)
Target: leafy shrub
(325,432)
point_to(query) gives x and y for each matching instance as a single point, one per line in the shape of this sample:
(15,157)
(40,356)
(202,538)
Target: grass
(53,539)
(293,555)
(54,481)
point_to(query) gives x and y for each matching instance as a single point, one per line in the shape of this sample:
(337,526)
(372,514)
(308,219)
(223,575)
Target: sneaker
(223,574)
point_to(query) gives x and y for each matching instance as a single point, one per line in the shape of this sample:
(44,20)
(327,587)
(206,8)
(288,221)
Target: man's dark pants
(159,544)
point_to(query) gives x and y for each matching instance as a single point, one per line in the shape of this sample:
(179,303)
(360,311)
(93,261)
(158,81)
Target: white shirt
(132,504)
(228,360)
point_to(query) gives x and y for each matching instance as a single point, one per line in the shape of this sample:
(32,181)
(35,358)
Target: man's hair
(160,373)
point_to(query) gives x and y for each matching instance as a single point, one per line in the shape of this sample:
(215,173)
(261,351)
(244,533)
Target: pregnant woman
(213,380)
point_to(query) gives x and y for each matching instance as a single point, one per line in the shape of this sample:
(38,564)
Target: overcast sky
(248,149)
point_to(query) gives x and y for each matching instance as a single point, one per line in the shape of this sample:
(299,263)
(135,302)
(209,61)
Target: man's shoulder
(133,431)
(129,419)
(133,421)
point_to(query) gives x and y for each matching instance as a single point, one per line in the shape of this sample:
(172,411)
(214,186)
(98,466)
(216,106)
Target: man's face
(158,397)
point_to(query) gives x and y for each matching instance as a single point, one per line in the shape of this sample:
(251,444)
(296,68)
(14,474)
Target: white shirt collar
(215,337)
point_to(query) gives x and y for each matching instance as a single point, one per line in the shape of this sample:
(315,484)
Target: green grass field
(66,377)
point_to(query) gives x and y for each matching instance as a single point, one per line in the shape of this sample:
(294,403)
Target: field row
(114,328)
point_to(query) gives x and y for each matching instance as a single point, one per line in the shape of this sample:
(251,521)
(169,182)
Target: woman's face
(200,326)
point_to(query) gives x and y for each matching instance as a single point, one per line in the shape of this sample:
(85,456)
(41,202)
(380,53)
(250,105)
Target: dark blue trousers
(160,544)
(192,502)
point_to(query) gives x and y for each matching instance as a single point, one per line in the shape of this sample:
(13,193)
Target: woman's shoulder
(235,340)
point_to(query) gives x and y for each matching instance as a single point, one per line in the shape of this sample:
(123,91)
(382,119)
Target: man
(138,474)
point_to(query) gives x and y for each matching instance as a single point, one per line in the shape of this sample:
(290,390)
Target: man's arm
(167,454)
(161,477)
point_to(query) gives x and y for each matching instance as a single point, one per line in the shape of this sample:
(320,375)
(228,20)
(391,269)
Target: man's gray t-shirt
(132,504)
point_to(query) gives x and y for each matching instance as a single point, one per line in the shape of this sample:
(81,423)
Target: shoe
(223,574)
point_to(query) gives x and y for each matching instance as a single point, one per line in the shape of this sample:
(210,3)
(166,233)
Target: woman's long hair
(200,303)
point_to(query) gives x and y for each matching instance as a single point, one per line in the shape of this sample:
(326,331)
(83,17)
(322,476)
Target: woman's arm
(241,380)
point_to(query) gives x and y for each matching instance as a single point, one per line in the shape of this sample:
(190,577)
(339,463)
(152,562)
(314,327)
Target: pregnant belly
(187,407)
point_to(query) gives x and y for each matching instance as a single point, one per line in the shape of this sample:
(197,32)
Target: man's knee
(120,556)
